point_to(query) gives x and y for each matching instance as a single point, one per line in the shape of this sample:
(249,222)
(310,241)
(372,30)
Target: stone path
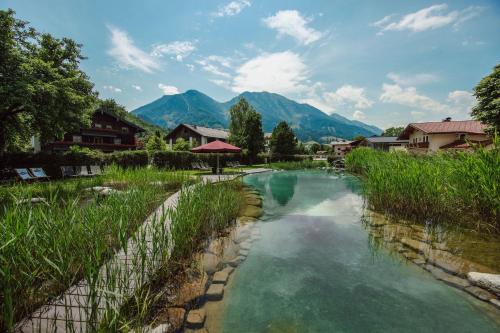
(84,305)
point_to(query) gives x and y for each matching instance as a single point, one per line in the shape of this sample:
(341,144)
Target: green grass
(305,164)
(46,248)
(457,188)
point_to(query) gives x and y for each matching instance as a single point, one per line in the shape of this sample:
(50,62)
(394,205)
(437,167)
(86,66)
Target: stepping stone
(485,280)
(245,246)
(452,280)
(215,292)
(196,318)
(223,275)
(245,220)
(236,261)
(244,253)
(419,261)
(480,293)
(252,211)
(495,302)
(211,262)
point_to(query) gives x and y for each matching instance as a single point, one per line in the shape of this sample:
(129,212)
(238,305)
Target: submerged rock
(452,280)
(480,293)
(453,263)
(252,211)
(215,292)
(245,220)
(211,262)
(485,280)
(223,275)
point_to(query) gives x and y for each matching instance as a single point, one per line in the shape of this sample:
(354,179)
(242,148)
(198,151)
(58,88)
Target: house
(385,143)
(201,135)
(341,147)
(107,133)
(267,141)
(446,134)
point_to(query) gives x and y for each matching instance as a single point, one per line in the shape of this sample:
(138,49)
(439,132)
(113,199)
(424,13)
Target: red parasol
(216,147)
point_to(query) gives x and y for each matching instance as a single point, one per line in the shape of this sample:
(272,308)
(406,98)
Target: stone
(495,302)
(32,200)
(216,246)
(236,261)
(415,245)
(221,277)
(196,318)
(191,291)
(453,263)
(245,220)
(253,200)
(109,191)
(244,253)
(449,279)
(480,293)
(162,328)
(215,292)
(245,245)
(419,261)
(410,255)
(211,262)
(252,211)
(486,281)
(241,234)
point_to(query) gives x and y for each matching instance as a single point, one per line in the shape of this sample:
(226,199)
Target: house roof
(204,131)
(385,139)
(333,143)
(442,127)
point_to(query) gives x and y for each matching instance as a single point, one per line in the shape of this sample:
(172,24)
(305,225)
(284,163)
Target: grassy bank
(297,165)
(47,247)
(446,187)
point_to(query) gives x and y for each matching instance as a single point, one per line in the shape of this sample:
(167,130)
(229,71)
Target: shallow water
(314,270)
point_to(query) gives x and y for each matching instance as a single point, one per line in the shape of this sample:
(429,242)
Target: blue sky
(382,62)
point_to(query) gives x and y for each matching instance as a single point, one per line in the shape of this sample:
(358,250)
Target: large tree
(393,131)
(487,93)
(245,128)
(43,91)
(283,140)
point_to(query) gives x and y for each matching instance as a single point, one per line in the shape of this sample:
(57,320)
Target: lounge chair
(39,173)
(95,170)
(82,171)
(205,166)
(68,171)
(230,164)
(24,174)
(238,165)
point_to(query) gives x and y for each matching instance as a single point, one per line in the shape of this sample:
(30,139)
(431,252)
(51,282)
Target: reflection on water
(282,187)
(314,270)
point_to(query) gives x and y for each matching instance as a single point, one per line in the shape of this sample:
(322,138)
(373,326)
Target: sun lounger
(24,174)
(82,171)
(67,171)
(205,166)
(230,164)
(95,170)
(238,165)
(39,173)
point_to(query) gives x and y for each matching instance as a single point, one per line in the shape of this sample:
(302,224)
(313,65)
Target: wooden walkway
(83,306)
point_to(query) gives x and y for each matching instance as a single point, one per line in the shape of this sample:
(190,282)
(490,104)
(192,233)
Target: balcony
(418,145)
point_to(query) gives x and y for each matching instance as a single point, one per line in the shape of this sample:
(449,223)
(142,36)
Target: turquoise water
(313,270)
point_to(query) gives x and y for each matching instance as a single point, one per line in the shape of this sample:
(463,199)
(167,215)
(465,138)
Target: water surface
(313,270)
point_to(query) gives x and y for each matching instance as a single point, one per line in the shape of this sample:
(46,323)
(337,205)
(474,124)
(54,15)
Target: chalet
(446,134)
(107,133)
(340,148)
(385,143)
(201,135)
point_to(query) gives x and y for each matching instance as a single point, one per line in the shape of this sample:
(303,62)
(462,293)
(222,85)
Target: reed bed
(455,188)
(46,248)
(297,165)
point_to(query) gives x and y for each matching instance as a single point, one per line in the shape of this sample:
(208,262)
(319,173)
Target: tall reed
(459,188)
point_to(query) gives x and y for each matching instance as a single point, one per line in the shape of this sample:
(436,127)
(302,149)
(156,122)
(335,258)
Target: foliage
(358,137)
(487,93)
(48,247)
(156,143)
(181,145)
(298,165)
(245,128)
(183,159)
(283,140)
(393,131)
(447,187)
(314,148)
(45,92)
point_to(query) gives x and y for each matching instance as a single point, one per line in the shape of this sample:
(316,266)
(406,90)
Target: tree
(283,140)
(358,137)
(245,128)
(393,131)
(181,145)
(43,91)
(487,93)
(156,143)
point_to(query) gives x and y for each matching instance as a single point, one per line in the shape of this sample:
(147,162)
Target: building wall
(340,150)
(438,140)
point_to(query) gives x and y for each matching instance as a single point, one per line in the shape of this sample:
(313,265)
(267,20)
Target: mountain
(308,122)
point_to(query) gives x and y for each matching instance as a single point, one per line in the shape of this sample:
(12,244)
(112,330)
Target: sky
(385,63)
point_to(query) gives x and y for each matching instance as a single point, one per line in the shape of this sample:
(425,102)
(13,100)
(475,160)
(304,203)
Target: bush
(183,159)
(135,158)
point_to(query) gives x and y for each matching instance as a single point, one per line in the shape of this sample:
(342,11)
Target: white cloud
(282,72)
(349,93)
(290,22)
(190,67)
(136,87)
(393,93)
(432,17)
(463,100)
(211,66)
(358,115)
(127,54)
(178,49)
(113,89)
(318,103)
(412,80)
(222,83)
(224,61)
(168,90)
(232,8)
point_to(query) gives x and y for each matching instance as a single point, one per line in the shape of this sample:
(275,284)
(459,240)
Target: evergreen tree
(156,143)
(283,140)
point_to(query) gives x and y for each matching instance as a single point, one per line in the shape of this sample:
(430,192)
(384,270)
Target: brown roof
(204,131)
(440,127)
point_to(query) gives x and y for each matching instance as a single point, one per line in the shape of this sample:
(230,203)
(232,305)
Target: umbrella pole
(217,164)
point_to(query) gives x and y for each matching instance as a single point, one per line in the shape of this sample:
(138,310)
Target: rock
(252,211)
(216,246)
(221,276)
(175,319)
(419,261)
(486,281)
(191,291)
(245,245)
(241,234)
(32,200)
(245,220)
(196,318)
(253,200)
(480,293)
(211,262)
(453,263)
(109,191)
(244,253)
(415,245)
(441,275)
(162,328)
(231,251)
(495,302)
(236,261)
(215,292)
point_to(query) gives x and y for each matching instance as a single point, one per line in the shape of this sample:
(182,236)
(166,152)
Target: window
(77,138)
(98,139)
(97,125)
(118,141)
(109,127)
(125,129)
(462,137)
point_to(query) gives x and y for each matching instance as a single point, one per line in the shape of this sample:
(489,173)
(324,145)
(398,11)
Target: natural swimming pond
(314,269)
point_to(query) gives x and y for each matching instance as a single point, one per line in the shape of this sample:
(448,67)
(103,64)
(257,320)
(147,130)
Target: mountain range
(308,122)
